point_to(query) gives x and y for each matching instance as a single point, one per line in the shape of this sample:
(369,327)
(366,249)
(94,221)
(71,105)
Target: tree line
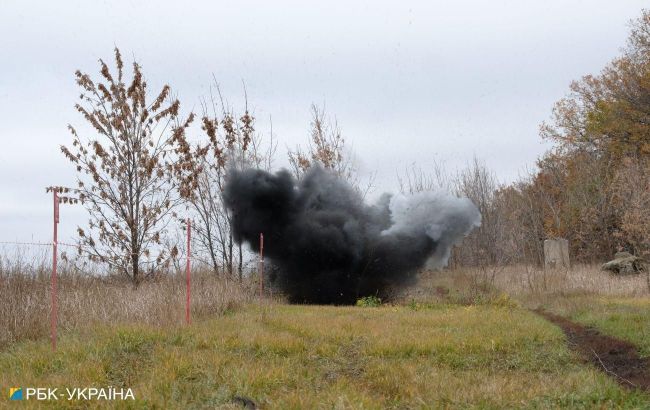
(592,187)
(142,160)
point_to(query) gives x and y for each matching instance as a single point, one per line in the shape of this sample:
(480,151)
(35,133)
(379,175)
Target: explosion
(332,248)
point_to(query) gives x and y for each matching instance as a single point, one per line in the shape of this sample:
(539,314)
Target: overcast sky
(408,82)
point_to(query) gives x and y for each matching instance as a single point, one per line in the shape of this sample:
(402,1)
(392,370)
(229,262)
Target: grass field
(459,339)
(297,357)
(625,318)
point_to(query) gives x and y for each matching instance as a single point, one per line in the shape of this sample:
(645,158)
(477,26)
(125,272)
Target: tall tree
(124,168)
(232,143)
(602,136)
(609,113)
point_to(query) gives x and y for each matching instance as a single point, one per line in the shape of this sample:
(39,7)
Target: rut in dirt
(618,358)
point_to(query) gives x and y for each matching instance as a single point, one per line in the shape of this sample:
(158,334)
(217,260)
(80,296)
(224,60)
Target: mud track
(618,358)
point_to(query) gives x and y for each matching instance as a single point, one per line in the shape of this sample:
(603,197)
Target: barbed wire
(37,243)
(77,247)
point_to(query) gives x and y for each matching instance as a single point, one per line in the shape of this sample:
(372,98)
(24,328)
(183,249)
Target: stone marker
(556,253)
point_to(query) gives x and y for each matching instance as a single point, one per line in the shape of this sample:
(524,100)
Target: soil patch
(618,358)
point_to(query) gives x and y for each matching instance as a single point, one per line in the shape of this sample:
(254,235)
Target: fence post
(187,274)
(53,290)
(261,265)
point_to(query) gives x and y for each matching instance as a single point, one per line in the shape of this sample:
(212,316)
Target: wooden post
(261,265)
(53,290)
(188,319)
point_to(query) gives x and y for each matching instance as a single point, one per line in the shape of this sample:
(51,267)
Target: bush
(369,301)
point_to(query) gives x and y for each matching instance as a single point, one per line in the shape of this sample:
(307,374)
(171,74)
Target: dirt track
(618,358)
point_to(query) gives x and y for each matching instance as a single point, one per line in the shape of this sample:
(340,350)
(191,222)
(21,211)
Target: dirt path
(616,357)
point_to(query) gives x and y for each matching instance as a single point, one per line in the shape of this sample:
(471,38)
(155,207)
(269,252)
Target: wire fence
(51,253)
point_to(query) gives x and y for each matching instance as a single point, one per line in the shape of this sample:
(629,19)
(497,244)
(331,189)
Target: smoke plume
(332,248)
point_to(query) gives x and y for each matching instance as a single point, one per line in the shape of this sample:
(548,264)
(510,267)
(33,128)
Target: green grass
(297,357)
(625,318)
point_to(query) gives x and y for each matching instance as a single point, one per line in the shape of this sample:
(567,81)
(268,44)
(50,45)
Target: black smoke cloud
(332,248)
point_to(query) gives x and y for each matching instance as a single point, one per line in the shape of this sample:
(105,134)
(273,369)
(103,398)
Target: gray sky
(409,82)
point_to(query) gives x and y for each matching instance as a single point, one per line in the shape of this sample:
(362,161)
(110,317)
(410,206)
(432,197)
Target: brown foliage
(594,183)
(631,191)
(124,167)
(326,147)
(231,143)
(609,113)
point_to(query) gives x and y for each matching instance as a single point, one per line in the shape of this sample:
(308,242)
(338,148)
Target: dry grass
(493,353)
(88,300)
(580,279)
(614,305)
(84,300)
(531,286)
(308,357)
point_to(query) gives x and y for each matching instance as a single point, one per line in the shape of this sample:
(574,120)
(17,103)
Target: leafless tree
(232,143)
(328,148)
(417,179)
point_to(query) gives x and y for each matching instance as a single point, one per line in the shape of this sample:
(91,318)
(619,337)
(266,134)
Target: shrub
(369,301)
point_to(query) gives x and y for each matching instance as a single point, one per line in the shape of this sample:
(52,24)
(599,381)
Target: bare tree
(416,179)
(523,207)
(232,143)
(479,184)
(326,147)
(631,189)
(124,168)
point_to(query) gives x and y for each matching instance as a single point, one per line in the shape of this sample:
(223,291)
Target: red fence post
(187,274)
(53,313)
(261,264)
